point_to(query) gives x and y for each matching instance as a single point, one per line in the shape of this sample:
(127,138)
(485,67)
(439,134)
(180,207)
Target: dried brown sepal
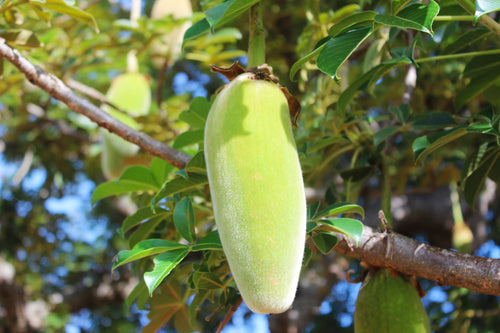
(293,105)
(230,72)
(261,72)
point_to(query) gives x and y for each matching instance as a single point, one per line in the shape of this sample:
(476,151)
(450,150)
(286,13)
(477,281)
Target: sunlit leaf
(341,208)
(485,7)
(163,264)
(68,8)
(146,248)
(350,227)
(414,16)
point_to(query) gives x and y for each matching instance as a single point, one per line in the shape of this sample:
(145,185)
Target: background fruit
(257,191)
(129,92)
(389,303)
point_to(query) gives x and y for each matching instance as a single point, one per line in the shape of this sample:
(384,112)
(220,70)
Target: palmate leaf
(414,16)
(219,16)
(210,242)
(488,167)
(188,138)
(338,49)
(350,227)
(144,230)
(147,248)
(197,114)
(485,7)
(141,215)
(163,264)
(325,241)
(184,219)
(340,208)
(370,77)
(427,144)
(135,178)
(180,184)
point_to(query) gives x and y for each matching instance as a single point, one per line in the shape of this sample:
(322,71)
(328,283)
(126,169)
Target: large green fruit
(257,191)
(129,92)
(389,304)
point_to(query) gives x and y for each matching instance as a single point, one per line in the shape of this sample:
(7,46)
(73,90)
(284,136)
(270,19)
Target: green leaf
(146,248)
(160,169)
(396,5)
(325,241)
(325,142)
(197,114)
(484,71)
(433,121)
(466,39)
(372,76)
(141,215)
(489,165)
(144,230)
(125,185)
(414,16)
(197,164)
(341,208)
(402,112)
(312,210)
(180,184)
(68,9)
(425,145)
(228,11)
(218,16)
(141,176)
(188,138)
(164,264)
(337,50)
(351,22)
(197,29)
(299,63)
(310,226)
(384,133)
(350,227)
(210,242)
(207,280)
(140,294)
(184,219)
(485,7)
(20,37)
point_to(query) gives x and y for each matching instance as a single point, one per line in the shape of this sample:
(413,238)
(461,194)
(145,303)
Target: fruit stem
(257,38)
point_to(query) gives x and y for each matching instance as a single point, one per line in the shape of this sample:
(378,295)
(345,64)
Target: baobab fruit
(257,191)
(131,94)
(389,303)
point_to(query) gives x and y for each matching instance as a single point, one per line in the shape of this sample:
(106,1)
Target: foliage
(359,135)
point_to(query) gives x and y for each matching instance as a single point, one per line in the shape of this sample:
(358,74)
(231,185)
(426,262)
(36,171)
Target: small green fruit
(257,191)
(129,92)
(389,304)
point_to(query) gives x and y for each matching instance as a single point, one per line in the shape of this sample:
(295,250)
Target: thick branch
(413,258)
(58,90)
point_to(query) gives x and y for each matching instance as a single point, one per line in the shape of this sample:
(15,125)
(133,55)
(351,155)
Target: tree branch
(58,90)
(414,258)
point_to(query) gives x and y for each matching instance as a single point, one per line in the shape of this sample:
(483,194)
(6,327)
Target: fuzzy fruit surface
(389,304)
(257,191)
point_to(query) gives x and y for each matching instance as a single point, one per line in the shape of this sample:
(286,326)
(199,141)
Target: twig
(229,315)
(91,93)
(58,90)
(413,258)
